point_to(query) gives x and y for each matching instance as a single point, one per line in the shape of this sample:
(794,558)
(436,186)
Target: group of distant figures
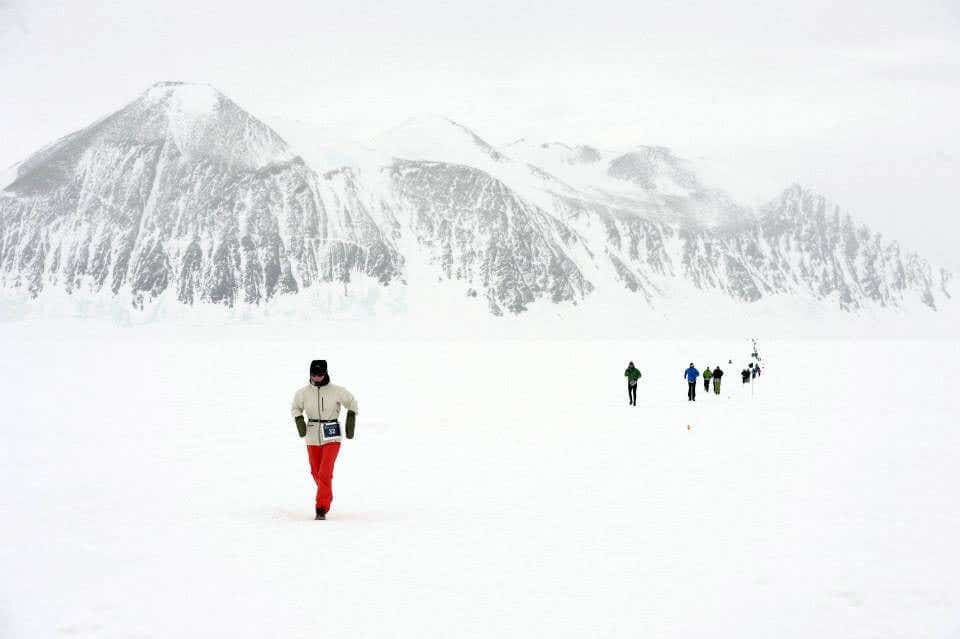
(750,372)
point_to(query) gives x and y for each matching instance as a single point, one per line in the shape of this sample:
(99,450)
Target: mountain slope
(479,231)
(181,190)
(811,244)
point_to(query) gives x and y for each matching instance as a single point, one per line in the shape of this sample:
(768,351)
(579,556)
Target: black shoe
(321,514)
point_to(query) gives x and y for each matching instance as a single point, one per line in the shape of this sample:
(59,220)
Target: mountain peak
(193,121)
(437,138)
(558,151)
(798,203)
(201,122)
(188,97)
(649,166)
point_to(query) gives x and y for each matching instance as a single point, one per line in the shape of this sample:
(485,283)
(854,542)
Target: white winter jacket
(318,404)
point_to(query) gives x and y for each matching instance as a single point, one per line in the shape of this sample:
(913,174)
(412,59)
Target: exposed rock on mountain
(479,231)
(183,194)
(182,189)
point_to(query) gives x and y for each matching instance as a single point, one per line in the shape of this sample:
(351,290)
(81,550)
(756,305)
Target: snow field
(155,487)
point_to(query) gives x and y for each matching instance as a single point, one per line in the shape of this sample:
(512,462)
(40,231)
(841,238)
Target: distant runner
(717,375)
(691,375)
(633,375)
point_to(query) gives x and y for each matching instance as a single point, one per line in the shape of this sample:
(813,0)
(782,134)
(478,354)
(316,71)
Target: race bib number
(330,430)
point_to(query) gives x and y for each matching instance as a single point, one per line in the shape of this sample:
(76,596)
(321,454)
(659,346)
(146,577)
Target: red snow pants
(322,459)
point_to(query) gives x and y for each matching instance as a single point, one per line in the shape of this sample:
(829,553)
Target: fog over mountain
(182,195)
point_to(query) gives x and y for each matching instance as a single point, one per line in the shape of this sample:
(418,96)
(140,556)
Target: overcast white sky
(858,100)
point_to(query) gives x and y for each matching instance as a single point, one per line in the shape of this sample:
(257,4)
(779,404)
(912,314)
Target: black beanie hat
(318,367)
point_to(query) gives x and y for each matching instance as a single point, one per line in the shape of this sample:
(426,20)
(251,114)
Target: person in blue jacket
(691,375)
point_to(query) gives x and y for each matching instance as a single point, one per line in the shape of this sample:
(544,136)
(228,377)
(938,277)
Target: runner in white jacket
(316,412)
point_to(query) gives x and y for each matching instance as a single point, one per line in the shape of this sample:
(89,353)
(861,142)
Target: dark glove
(351,423)
(301,425)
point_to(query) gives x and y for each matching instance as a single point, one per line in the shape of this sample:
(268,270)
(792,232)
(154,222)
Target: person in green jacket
(633,375)
(707,376)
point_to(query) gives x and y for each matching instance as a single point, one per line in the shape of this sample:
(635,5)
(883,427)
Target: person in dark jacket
(691,375)
(753,371)
(717,375)
(745,375)
(633,375)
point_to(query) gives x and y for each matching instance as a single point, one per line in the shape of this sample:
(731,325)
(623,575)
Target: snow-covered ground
(155,487)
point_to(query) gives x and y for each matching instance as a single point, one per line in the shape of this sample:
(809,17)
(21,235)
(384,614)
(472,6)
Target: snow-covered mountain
(807,242)
(183,194)
(182,190)
(478,230)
